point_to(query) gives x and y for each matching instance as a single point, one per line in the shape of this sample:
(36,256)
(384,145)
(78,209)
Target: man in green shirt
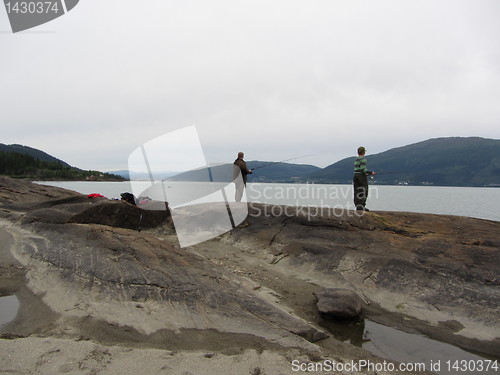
(360,180)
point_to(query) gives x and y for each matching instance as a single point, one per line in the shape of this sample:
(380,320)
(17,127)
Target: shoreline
(383,198)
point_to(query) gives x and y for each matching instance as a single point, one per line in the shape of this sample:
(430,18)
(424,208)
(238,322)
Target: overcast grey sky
(273,78)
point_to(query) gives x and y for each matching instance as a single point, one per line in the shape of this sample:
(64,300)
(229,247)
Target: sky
(276,79)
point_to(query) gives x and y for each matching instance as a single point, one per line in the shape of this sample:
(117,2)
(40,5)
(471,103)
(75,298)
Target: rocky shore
(104,287)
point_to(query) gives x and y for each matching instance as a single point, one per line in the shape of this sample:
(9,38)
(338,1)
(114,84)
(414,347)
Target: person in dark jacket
(360,180)
(240,167)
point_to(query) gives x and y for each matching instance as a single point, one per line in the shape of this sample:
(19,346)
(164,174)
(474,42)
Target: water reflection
(9,306)
(391,343)
(351,331)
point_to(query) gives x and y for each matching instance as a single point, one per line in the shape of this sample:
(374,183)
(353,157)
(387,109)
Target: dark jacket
(240,163)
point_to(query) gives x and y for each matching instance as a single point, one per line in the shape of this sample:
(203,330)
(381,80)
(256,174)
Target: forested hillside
(16,163)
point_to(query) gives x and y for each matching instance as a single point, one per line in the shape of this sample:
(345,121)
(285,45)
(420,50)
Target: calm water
(481,203)
(404,347)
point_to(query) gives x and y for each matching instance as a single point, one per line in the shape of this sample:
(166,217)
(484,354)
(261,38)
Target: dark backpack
(129,198)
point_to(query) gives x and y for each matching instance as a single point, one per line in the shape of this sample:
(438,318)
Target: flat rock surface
(423,269)
(82,256)
(113,275)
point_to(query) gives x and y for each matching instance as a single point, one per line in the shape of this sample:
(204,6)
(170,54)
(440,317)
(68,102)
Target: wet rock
(340,303)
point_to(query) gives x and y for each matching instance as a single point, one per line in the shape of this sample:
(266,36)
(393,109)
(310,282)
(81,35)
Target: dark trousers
(360,182)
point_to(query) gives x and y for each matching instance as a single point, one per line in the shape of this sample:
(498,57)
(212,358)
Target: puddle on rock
(407,348)
(9,306)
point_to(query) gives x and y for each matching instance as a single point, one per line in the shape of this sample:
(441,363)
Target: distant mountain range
(265,171)
(134,175)
(453,161)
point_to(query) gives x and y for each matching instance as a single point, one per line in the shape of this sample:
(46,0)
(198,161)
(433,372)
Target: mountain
(265,171)
(122,173)
(27,162)
(453,161)
(279,172)
(134,175)
(37,154)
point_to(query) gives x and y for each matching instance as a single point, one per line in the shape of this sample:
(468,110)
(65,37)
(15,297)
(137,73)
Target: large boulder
(340,303)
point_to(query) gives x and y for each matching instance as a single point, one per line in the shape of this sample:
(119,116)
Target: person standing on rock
(240,167)
(360,180)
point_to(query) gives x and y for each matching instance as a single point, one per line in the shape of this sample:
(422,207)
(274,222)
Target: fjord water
(483,203)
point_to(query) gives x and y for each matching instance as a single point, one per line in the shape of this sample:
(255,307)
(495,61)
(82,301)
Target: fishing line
(281,161)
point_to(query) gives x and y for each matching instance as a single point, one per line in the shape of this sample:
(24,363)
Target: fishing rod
(378,173)
(281,161)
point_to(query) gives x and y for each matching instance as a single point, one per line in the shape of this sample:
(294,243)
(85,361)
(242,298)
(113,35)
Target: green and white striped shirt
(360,166)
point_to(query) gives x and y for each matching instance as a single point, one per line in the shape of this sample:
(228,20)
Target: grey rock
(341,303)
(400,263)
(85,249)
